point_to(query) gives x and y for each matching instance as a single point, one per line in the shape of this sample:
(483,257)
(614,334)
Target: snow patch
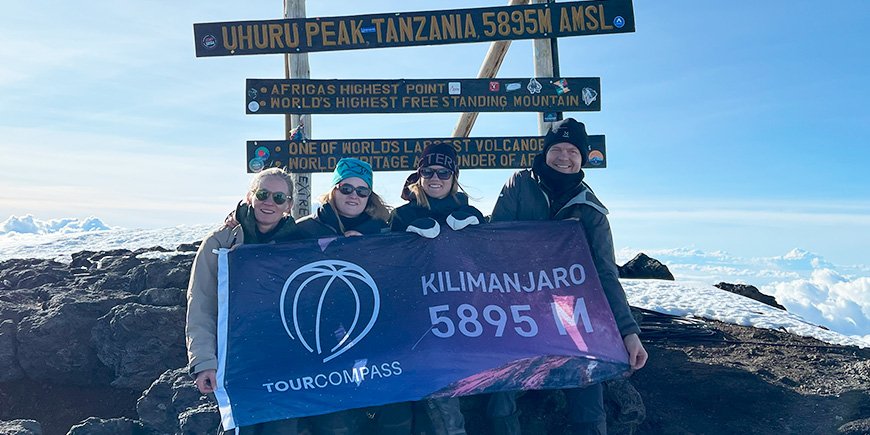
(705,301)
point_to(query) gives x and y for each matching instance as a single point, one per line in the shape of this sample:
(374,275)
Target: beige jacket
(202,300)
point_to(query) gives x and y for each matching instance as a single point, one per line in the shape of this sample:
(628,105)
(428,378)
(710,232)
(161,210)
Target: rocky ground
(96,347)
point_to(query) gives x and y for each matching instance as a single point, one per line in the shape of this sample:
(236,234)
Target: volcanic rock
(55,345)
(164,297)
(139,342)
(113,426)
(171,395)
(750,292)
(8,353)
(644,267)
(200,419)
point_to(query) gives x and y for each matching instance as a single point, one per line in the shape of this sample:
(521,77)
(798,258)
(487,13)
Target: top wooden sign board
(401,29)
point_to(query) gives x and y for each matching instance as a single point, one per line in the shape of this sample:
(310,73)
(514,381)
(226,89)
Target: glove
(425,227)
(461,218)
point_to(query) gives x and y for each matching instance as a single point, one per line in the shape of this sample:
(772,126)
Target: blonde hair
(273,172)
(376,208)
(423,200)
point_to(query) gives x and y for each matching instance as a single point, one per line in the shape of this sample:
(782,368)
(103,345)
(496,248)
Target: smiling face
(266,212)
(435,187)
(565,158)
(350,205)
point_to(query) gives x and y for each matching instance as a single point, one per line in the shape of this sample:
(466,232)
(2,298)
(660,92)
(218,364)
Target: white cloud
(829,299)
(29,225)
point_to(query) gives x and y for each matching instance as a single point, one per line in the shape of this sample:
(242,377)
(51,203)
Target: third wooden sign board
(400,154)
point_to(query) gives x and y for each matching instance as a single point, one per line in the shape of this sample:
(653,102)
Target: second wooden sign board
(308,96)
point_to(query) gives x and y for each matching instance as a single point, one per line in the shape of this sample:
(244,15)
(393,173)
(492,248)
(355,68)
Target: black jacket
(524,199)
(401,217)
(284,231)
(324,222)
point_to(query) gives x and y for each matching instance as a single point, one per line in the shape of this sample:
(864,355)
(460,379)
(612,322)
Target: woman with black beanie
(434,196)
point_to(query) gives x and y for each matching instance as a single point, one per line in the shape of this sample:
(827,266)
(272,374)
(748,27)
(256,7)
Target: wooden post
(543,68)
(488,69)
(296,66)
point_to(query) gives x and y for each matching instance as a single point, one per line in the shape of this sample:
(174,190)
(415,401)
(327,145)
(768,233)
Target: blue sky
(739,127)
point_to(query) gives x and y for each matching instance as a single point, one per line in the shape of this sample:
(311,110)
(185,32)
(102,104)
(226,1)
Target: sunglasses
(443,173)
(347,189)
(277,197)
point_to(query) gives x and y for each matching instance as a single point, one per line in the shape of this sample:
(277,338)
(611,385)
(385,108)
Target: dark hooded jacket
(324,222)
(526,197)
(439,209)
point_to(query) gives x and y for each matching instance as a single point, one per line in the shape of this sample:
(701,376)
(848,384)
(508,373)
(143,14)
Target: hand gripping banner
(318,326)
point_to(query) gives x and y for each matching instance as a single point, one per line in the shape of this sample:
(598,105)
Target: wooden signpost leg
(543,50)
(296,66)
(488,69)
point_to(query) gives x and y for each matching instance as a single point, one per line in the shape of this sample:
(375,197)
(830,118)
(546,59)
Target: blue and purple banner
(319,326)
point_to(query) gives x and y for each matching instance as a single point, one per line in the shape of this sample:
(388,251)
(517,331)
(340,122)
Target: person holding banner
(433,196)
(433,199)
(263,217)
(351,207)
(553,189)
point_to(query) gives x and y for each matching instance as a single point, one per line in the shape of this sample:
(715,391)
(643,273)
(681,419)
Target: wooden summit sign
(302,35)
(400,154)
(272,96)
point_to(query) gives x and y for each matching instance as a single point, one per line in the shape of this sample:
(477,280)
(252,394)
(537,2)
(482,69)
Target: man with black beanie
(553,189)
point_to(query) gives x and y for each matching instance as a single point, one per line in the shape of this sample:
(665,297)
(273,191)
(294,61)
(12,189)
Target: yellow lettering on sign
(343,35)
(604,25)
(488,23)
(449,27)
(434,30)
(406,29)
(564,21)
(356,31)
(519,23)
(377,22)
(545,22)
(592,19)
(261,39)
(311,29)
(291,41)
(420,21)
(392,36)
(229,44)
(275,32)
(246,36)
(326,33)
(470,31)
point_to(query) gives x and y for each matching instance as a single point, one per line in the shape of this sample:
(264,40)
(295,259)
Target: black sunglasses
(277,197)
(442,173)
(347,189)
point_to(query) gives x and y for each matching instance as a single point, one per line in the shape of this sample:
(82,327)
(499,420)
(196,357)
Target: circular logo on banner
(253,106)
(619,22)
(262,153)
(596,158)
(209,41)
(340,306)
(256,165)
